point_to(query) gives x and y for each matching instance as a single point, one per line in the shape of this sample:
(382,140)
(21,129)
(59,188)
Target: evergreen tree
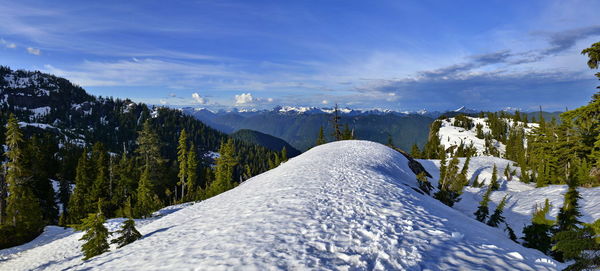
(192,170)
(80,202)
(347,134)
(424,184)
(224,169)
(511,233)
(538,234)
(496,218)
(450,186)
(415,152)
(127,234)
(581,245)
(23,211)
(321,138)
(100,186)
(335,122)
(494,183)
(147,201)
(568,216)
(96,235)
(483,210)
(463,176)
(182,160)
(284,155)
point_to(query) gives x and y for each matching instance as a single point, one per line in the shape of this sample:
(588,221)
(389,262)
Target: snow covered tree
(127,234)
(496,218)
(483,210)
(182,160)
(494,183)
(538,234)
(96,235)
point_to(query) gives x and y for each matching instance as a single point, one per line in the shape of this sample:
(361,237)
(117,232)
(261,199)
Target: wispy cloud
(7,44)
(34,51)
(199,99)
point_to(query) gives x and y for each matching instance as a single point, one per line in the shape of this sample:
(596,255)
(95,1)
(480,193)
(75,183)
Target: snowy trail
(341,206)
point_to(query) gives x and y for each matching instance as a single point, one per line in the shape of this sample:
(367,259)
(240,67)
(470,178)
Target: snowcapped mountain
(348,205)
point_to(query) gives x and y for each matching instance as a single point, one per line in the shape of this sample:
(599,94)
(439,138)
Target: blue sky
(400,55)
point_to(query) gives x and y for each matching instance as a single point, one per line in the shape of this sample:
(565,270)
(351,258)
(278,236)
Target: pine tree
(450,186)
(569,214)
(182,160)
(476,181)
(424,184)
(335,122)
(463,176)
(80,202)
(127,234)
(100,186)
(581,245)
(321,138)
(494,183)
(96,235)
(224,169)
(415,152)
(192,171)
(483,210)
(496,218)
(284,154)
(23,211)
(538,234)
(147,201)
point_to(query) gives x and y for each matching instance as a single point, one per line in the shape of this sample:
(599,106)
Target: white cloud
(34,51)
(244,98)
(163,101)
(325,102)
(8,44)
(199,99)
(270,100)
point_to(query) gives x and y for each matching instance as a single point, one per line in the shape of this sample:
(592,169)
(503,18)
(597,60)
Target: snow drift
(347,205)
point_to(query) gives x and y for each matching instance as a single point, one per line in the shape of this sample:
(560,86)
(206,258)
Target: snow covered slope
(521,197)
(346,205)
(451,135)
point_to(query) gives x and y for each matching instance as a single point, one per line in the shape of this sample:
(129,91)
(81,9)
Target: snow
(348,205)
(521,197)
(451,135)
(40,111)
(38,125)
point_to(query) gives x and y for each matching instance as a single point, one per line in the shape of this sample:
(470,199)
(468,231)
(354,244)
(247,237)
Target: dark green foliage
(494,182)
(511,233)
(538,234)
(96,235)
(450,184)
(127,234)
(225,166)
(424,184)
(321,137)
(268,141)
(496,218)
(464,122)
(483,210)
(581,245)
(568,216)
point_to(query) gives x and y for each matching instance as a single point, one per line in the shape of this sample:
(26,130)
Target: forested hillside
(127,157)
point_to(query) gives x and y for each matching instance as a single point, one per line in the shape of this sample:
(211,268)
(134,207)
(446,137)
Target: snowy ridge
(346,205)
(451,135)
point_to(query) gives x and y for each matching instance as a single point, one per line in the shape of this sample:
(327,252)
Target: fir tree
(483,210)
(415,152)
(182,160)
(511,233)
(80,202)
(100,187)
(224,169)
(284,154)
(321,137)
(568,216)
(494,183)
(538,234)
(424,184)
(464,171)
(450,186)
(581,245)
(147,202)
(192,170)
(496,218)
(335,122)
(23,211)
(96,235)
(127,234)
